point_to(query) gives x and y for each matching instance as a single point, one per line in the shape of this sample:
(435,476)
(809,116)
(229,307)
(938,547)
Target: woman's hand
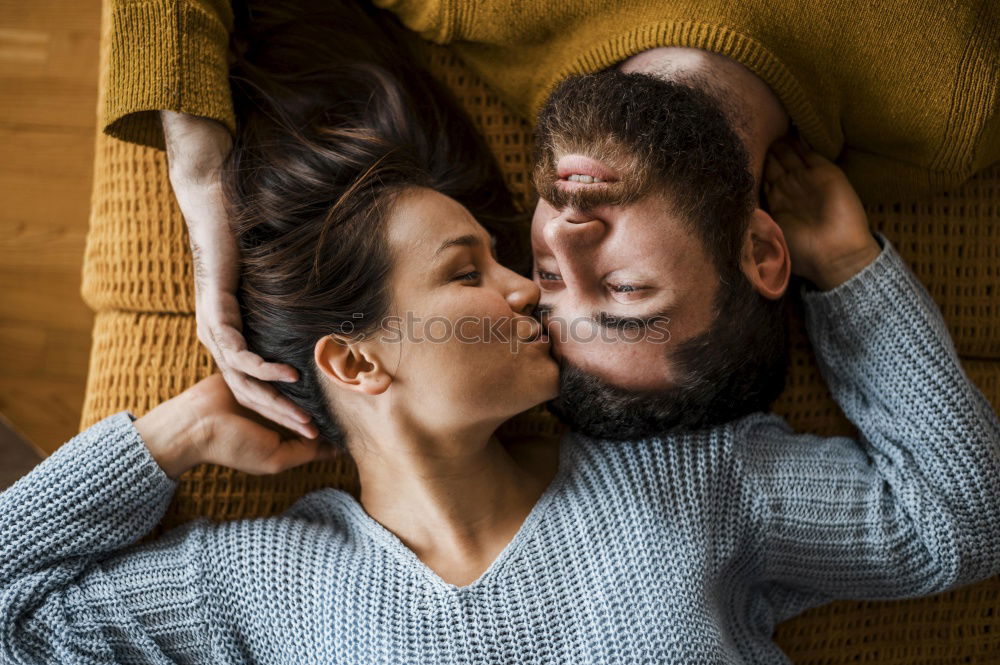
(196,150)
(205,424)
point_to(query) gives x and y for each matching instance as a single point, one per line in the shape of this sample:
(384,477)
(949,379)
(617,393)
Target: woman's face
(461,344)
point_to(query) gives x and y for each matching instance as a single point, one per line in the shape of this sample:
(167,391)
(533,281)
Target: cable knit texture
(680,549)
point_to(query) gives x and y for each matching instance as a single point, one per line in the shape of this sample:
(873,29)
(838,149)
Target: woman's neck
(448,496)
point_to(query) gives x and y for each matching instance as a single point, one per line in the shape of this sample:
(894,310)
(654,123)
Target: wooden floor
(48,97)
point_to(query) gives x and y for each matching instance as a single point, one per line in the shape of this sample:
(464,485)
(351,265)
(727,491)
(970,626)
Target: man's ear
(766,261)
(351,365)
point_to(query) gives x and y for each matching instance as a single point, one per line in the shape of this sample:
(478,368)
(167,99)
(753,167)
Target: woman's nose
(523,294)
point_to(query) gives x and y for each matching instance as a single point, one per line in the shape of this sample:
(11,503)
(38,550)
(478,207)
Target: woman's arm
(72,589)
(913,507)
(99,493)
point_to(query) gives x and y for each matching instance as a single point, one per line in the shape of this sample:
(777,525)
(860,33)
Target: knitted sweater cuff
(434,20)
(104,470)
(861,299)
(166,55)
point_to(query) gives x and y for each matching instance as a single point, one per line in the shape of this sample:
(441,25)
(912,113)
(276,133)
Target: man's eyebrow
(542,310)
(616,322)
(468,240)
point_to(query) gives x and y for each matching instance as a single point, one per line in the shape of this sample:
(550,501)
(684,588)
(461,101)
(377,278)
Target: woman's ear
(766,261)
(350,365)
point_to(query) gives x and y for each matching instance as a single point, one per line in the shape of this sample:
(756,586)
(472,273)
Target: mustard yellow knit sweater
(904,94)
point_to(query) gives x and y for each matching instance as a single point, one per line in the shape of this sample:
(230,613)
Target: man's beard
(735,367)
(671,138)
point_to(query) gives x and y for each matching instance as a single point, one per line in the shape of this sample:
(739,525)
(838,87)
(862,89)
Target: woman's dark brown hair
(335,118)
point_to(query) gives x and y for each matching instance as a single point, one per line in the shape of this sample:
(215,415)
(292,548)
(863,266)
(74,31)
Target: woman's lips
(536,332)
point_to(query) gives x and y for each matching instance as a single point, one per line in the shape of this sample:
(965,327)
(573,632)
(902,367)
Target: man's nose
(572,238)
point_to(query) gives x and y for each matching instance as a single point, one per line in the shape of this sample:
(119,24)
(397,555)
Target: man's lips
(588,168)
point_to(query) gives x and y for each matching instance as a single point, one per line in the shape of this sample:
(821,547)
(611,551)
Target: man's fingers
(269,397)
(234,347)
(229,340)
(809,156)
(772,169)
(786,156)
(250,363)
(257,395)
(267,401)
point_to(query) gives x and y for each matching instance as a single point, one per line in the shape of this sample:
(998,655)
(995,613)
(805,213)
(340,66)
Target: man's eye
(547,276)
(471,276)
(623,288)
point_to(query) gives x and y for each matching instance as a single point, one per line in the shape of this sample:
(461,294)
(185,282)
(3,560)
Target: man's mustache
(627,189)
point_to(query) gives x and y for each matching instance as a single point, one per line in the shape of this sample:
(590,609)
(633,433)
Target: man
(675,256)
(648,228)
(647,220)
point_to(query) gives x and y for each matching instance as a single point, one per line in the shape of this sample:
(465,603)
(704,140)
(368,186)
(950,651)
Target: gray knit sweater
(680,549)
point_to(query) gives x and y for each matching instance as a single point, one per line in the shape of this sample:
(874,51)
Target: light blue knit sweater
(685,549)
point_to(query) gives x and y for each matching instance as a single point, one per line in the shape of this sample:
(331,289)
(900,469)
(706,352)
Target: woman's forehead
(423,221)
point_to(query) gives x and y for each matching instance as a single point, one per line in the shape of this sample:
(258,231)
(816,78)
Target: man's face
(622,280)
(638,237)
(639,242)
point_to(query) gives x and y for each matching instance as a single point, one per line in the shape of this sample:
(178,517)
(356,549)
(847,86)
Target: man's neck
(755,111)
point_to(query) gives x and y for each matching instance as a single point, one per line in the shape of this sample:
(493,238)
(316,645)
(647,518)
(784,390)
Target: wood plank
(45,248)
(45,179)
(45,410)
(68,102)
(48,104)
(18,455)
(50,352)
(46,14)
(45,298)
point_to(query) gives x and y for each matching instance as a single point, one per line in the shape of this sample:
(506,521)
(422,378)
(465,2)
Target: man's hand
(820,214)
(196,150)
(205,424)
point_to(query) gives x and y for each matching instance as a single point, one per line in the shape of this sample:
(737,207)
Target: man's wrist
(172,432)
(196,148)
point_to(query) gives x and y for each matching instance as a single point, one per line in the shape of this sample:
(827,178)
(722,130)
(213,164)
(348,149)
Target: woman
(294,63)
(362,270)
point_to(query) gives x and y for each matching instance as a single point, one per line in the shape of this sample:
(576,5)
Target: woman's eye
(623,288)
(471,276)
(547,276)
